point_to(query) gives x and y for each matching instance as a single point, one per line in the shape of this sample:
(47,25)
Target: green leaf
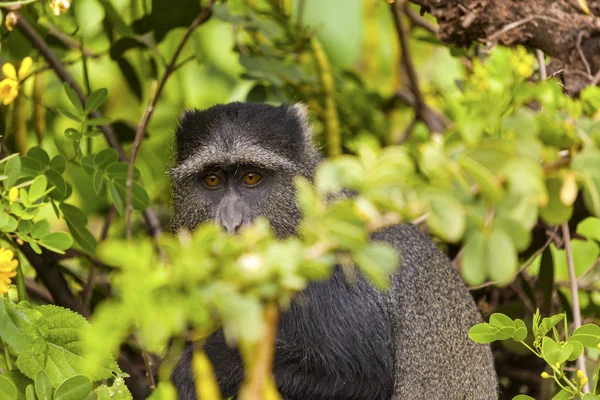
(87,162)
(31,167)
(43,386)
(56,241)
(73,134)
(562,395)
(77,221)
(520,334)
(500,320)
(504,333)
(523,397)
(377,261)
(38,188)
(483,333)
(140,199)
(59,164)
(39,229)
(24,226)
(40,155)
(96,99)
(8,390)
(473,262)
(555,212)
(488,183)
(589,228)
(105,157)
(75,388)
(97,122)
(121,170)
(501,257)
(591,192)
(64,355)
(550,322)
(56,180)
(73,97)
(99,182)
(577,350)
(69,114)
(30,393)
(447,217)
(588,335)
(590,396)
(553,353)
(18,330)
(13,171)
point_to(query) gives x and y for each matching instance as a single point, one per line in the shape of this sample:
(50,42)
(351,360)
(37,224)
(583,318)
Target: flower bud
(13,194)
(11,21)
(584,381)
(545,375)
(557,365)
(580,374)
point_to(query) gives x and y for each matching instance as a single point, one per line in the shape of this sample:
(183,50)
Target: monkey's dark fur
(345,341)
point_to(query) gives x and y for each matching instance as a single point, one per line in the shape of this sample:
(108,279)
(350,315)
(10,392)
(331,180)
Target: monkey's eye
(211,180)
(252,178)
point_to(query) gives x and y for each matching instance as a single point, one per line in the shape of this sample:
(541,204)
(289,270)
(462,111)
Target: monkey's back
(431,312)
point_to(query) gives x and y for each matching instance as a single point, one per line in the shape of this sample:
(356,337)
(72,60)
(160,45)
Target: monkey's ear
(300,111)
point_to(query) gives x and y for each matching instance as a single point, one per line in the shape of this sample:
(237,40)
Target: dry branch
(559,28)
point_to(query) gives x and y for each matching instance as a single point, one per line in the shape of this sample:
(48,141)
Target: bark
(560,28)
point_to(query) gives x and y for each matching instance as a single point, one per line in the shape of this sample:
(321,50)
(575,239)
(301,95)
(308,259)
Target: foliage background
(531,152)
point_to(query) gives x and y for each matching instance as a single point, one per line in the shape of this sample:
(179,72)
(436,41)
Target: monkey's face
(237,162)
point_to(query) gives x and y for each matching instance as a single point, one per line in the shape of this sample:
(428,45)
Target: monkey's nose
(231,219)
(232,227)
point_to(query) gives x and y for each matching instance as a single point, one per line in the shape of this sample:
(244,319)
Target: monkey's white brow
(246,155)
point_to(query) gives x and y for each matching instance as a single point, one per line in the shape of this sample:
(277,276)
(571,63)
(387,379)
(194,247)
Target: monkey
(348,341)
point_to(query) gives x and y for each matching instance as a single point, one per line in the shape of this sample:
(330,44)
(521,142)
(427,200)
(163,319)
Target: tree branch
(553,26)
(141,129)
(46,268)
(574,294)
(150,216)
(422,111)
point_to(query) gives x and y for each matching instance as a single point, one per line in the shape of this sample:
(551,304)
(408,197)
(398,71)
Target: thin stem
(8,4)
(596,379)
(7,358)
(574,294)
(150,216)
(141,129)
(21,288)
(260,371)
(422,111)
(332,124)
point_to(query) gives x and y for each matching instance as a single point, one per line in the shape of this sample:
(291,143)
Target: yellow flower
(9,86)
(11,20)
(60,6)
(580,374)
(8,90)
(9,71)
(24,68)
(8,267)
(13,193)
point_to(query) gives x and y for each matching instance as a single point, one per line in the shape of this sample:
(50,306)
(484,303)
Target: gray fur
(336,346)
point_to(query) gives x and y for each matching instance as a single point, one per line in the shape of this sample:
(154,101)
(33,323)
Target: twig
(421,109)
(148,365)
(581,55)
(149,215)
(89,286)
(510,26)
(596,79)
(141,129)
(589,269)
(417,20)
(542,64)
(574,293)
(261,371)
(332,123)
(62,73)
(47,269)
